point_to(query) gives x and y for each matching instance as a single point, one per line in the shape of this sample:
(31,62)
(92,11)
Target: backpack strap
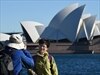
(51,65)
(50,58)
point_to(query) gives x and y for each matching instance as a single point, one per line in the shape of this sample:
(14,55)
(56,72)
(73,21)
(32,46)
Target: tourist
(44,63)
(19,54)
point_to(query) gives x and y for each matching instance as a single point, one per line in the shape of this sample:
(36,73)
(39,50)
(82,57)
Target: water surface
(78,64)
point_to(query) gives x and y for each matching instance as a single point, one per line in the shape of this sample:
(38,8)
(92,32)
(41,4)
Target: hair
(44,41)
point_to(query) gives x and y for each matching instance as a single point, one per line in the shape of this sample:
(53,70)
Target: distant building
(32,30)
(4,37)
(70,23)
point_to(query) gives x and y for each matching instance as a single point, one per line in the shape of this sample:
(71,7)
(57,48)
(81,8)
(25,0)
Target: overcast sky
(12,12)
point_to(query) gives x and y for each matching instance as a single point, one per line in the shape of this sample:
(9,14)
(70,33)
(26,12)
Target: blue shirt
(17,57)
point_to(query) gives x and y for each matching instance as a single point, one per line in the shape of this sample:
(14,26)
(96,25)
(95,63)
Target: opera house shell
(70,23)
(32,30)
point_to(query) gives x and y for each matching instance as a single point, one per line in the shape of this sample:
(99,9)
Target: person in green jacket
(44,62)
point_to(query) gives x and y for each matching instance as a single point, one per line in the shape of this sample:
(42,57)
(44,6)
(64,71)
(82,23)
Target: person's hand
(31,72)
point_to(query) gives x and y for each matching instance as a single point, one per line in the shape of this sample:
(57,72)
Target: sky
(12,12)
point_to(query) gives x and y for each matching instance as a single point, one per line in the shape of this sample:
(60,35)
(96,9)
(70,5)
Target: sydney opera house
(70,31)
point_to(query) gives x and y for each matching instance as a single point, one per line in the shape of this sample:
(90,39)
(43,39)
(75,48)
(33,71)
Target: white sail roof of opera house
(95,29)
(64,24)
(88,28)
(85,27)
(34,29)
(70,23)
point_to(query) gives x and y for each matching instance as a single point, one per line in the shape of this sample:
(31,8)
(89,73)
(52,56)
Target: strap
(50,58)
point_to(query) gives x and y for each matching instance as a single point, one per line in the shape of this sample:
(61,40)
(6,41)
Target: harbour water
(78,64)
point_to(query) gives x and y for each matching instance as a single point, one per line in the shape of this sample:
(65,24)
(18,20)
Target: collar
(42,55)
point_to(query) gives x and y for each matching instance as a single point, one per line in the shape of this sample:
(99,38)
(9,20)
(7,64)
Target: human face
(43,48)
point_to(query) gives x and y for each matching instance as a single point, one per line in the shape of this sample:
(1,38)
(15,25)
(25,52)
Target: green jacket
(44,65)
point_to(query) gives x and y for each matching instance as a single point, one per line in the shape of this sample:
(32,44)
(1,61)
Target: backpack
(3,69)
(6,66)
(50,58)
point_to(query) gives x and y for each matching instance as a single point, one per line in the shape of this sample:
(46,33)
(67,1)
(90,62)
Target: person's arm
(54,69)
(27,58)
(17,57)
(27,53)
(20,56)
